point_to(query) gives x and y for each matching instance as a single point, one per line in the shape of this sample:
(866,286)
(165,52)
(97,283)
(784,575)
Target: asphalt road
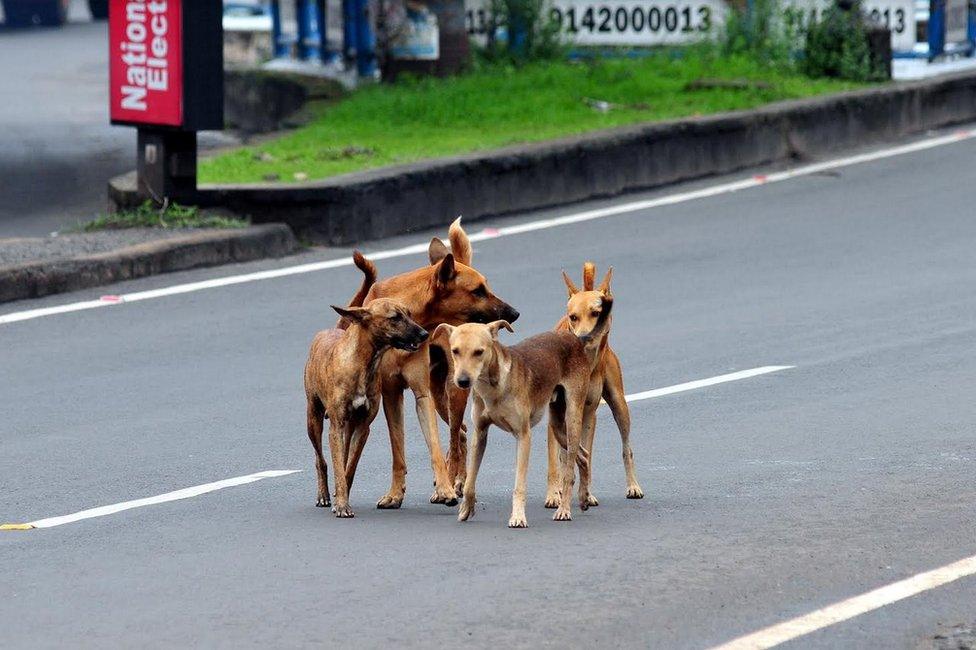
(57,148)
(767,498)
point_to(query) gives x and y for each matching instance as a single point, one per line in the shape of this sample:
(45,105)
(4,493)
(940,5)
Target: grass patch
(501,105)
(171,216)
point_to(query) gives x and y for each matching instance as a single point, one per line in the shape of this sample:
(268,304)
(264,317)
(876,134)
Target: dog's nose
(511,315)
(423,334)
(463,382)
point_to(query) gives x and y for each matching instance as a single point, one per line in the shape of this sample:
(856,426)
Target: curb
(396,200)
(36,279)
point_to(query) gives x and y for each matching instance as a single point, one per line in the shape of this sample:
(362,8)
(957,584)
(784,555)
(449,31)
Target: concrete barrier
(395,200)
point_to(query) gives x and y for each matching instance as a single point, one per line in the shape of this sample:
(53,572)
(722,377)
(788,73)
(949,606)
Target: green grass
(497,106)
(173,216)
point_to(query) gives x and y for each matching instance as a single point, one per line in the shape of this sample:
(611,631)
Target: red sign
(146,61)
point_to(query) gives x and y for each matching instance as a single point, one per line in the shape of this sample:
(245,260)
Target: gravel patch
(66,246)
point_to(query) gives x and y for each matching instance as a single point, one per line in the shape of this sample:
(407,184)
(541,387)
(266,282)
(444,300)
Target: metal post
(278,44)
(348,30)
(166,164)
(365,40)
(936,28)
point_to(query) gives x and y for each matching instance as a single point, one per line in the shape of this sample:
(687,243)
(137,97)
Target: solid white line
(185,493)
(702,383)
(847,609)
(507,231)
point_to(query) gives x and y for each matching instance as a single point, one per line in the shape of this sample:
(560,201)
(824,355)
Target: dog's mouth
(409,346)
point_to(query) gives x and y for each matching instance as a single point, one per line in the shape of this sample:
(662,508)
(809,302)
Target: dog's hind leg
(337,437)
(585,459)
(356,446)
(315,414)
(427,414)
(393,410)
(575,397)
(555,439)
(613,393)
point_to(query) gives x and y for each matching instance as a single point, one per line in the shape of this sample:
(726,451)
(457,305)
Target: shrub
(530,32)
(837,46)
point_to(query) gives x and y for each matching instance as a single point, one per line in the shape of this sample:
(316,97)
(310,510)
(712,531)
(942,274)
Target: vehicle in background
(45,13)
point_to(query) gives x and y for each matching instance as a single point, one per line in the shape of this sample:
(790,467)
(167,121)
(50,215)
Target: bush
(767,33)
(837,46)
(531,34)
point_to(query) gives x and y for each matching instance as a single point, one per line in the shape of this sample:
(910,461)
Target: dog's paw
(323,502)
(588,501)
(389,502)
(518,520)
(465,511)
(447,497)
(343,512)
(552,499)
(635,492)
(562,514)
(459,486)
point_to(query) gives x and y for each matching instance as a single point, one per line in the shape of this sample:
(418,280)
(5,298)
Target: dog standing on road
(341,384)
(449,291)
(512,386)
(606,382)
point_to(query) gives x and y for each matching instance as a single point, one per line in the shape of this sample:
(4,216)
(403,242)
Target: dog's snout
(463,381)
(510,314)
(422,334)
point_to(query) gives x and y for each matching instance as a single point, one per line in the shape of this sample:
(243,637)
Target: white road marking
(702,383)
(507,231)
(185,493)
(847,609)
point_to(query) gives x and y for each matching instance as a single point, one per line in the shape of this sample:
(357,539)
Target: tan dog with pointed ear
(341,384)
(513,386)
(606,381)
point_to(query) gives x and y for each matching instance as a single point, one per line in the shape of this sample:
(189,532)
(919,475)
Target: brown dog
(512,386)
(606,381)
(449,291)
(341,384)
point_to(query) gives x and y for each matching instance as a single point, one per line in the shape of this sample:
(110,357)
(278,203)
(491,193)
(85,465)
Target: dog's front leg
(479,440)
(393,411)
(337,436)
(356,446)
(554,474)
(585,459)
(613,393)
(524,442)
(427,414)
(315,414)
(458,452)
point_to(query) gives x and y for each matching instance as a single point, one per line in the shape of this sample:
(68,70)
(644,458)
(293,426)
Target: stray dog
(606,381)
(341,384)
(513,385)
(448,291)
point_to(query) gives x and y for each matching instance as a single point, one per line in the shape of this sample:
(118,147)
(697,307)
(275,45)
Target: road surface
(57,148)
(767,497)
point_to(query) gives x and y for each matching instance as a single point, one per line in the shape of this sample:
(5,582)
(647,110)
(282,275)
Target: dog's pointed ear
(589,275)
(442,334)
(437,250)
(445,270)
(496,325)
(460,244)
(573,289)
(352,314)
(605,285)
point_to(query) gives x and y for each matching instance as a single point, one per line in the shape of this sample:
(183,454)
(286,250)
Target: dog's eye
(456,351)
(573,317)
(480,292)
(478,353)
(595,314)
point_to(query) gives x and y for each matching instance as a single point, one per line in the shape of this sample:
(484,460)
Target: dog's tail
(592,339)
(589,276)
(369,279)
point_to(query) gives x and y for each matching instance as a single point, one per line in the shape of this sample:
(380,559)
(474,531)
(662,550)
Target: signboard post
(166,79)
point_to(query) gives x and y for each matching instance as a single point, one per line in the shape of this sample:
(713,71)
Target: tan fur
(606,382)
(446,291)
(341,384)
(513,386)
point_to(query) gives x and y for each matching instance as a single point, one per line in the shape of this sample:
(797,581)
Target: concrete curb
(36,279)
(396,200)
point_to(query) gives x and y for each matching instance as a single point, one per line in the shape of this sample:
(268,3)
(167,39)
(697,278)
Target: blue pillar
(936,28)
(365,40)
(278,43)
